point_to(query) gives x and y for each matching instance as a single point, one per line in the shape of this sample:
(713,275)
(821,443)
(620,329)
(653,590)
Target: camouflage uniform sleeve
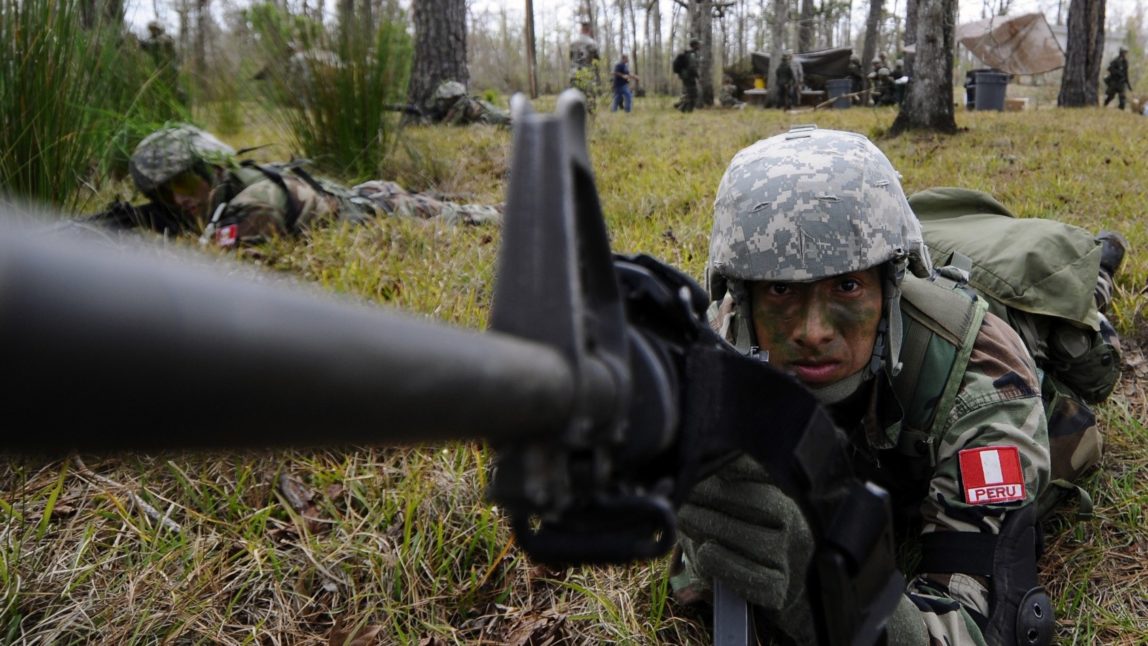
(998,404)
(262,209)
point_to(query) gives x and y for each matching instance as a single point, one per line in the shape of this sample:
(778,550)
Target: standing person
(687,66)
(623,97)
(818,262)
(1117,79)
(786,83)
(583,68)
(856,78)
(160,47)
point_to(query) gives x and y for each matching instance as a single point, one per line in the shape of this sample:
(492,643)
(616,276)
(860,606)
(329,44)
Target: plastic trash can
(990,93)
(837,90)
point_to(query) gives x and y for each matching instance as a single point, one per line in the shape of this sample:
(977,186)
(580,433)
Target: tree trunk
(869,49)
(440,46)
(531,65)
(776,45)
(1080,79)
(701,27)
(910,33)
(366,16)
(805,28)
(202,18)
(929,102)
(105,12)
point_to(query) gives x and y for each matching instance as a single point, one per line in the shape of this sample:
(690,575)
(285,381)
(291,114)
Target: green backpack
(1039,276)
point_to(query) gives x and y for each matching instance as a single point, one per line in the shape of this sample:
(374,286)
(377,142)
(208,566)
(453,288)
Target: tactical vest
(941,321)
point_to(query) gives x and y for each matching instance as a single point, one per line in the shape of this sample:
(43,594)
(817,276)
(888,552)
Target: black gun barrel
(111,348)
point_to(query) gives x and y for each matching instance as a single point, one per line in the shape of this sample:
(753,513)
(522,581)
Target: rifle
(600,385)
(121,214)
(407,109)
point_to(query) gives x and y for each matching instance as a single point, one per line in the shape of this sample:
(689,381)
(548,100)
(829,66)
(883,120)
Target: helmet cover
(810,204)
(448,90)
(174,150)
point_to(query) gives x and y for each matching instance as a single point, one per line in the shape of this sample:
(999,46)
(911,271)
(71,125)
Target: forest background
(398,545)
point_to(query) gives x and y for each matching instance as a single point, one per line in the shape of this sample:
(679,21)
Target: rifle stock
(600,385)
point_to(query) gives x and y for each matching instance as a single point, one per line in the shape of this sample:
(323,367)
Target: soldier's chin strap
(658,398)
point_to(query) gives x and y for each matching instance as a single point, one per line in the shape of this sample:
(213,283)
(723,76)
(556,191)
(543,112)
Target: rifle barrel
(107,348)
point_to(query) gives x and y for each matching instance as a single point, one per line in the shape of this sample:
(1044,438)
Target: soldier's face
(191,194)
(820,331)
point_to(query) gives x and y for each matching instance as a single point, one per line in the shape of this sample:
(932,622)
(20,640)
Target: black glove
(741,529)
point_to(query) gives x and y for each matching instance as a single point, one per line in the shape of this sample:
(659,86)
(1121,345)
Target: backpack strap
(294,209)
(941,319)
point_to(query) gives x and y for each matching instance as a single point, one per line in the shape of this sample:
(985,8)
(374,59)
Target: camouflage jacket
(467,110)
(256,205)
(997,404)
(693,65)
(1117,77)
(727,97)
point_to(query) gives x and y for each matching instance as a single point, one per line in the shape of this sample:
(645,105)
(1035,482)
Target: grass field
(397,546)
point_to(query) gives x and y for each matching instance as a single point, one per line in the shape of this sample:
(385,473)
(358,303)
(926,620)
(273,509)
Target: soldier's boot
(1112,249)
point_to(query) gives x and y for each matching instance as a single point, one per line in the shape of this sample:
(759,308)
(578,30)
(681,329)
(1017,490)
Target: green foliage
(72,100)
(336,93)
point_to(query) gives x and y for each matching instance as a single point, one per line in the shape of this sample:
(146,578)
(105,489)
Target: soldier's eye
(778,289)
(849,285)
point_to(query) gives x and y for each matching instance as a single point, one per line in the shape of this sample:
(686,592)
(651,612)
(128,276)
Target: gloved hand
(739,528)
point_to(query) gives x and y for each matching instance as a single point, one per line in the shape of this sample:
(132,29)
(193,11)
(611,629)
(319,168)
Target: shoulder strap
(294,209)
(941,320)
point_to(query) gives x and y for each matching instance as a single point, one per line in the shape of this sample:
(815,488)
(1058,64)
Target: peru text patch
(992,475)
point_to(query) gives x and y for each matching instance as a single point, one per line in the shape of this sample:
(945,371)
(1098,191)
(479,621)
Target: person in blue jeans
(622,77)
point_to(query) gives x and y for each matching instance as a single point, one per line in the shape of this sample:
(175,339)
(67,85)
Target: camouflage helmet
(811,204)
(448,91)
(171,151)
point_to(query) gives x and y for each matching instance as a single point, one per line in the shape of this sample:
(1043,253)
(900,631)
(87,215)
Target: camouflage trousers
(392,199)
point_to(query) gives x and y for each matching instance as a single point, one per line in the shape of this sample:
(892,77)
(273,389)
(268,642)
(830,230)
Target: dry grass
(397,545)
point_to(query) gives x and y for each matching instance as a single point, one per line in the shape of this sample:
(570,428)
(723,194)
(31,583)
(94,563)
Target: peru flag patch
(992,475)
(227,236)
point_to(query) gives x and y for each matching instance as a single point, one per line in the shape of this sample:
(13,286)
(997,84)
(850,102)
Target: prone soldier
(832,281)
(450,104)
(198,184)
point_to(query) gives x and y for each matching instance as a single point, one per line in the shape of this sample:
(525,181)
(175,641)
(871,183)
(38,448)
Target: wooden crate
(1016,105)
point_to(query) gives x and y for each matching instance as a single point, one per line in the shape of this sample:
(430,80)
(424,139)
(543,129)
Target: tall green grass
(332,89)
(73,101)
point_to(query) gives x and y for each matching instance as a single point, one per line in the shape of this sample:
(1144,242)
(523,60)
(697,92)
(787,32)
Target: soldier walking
(1117,79)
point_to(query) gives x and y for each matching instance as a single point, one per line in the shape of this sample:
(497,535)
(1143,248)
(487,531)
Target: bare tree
(929,102)
(869,48)
(109,12)
(440,46)
(805,27)
(910,32)
(776,44)
(531,66)
(1081,77)
(202,19)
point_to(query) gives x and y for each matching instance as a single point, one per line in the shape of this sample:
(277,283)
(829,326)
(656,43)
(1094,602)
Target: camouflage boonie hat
(448,90)
(811,204)
(173,150)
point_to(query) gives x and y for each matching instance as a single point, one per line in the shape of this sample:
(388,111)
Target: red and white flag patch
(227,236)
(992,475)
